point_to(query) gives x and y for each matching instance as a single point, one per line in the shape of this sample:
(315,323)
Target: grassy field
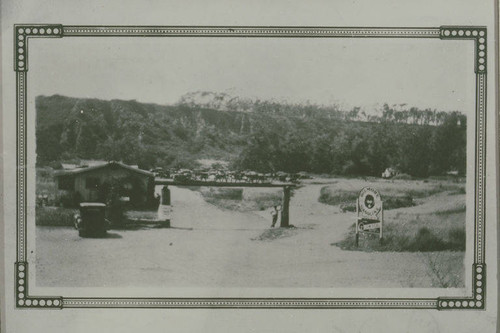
(395,193)
(432,220)
(239,199)
(54,216)
(423,233)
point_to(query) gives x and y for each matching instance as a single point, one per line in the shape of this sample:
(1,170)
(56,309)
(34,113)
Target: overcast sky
(351,72)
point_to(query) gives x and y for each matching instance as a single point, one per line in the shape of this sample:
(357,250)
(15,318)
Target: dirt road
(210,247)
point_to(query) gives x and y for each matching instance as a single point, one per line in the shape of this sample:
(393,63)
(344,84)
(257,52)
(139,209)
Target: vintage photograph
(251,162)
(249,166)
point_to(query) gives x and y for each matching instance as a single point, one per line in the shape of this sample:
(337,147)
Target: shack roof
(102,166)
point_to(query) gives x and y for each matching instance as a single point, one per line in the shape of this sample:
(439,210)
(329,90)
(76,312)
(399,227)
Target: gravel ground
(209,247)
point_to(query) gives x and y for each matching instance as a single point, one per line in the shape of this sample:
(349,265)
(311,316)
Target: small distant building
(92,184)
(389,173)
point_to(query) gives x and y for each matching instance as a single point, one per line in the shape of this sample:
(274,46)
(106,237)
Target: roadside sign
(369,202)
(365,226)
(368,225)
(369,213)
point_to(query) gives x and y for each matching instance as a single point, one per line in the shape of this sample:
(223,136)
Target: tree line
(360,148)
(267,137)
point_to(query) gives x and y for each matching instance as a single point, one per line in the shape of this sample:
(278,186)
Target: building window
(91,183)
(66,183)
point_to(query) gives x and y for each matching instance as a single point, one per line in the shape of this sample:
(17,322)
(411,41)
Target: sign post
(369,213)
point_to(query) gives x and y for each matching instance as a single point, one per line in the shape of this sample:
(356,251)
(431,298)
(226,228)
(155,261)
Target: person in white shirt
(274,214)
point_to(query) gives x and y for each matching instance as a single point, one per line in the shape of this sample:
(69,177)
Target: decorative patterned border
(23,32)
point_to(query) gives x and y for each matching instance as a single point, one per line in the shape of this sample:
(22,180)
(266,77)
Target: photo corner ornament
(369,213)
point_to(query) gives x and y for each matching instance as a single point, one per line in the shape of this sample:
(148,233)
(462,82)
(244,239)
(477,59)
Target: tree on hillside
(448,144)
(260,153)
(269,136)
(414,151)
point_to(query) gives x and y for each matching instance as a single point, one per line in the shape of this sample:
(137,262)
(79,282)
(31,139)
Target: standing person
(274,214)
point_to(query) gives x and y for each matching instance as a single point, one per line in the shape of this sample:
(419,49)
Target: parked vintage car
(91,220)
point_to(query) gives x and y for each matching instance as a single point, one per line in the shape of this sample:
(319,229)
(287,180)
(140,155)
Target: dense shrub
(426,241)
(457,238)
(54,216)
(398,202)
(398,239)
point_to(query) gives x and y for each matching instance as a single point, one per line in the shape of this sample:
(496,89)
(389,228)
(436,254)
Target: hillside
(259,135)
(89,128)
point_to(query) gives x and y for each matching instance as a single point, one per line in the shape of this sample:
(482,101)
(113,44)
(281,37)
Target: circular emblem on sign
(369,201)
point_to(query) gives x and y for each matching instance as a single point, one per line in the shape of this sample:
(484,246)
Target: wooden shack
(95,183)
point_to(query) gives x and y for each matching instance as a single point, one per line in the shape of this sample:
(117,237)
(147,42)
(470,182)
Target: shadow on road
(181,228)
(107,235)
